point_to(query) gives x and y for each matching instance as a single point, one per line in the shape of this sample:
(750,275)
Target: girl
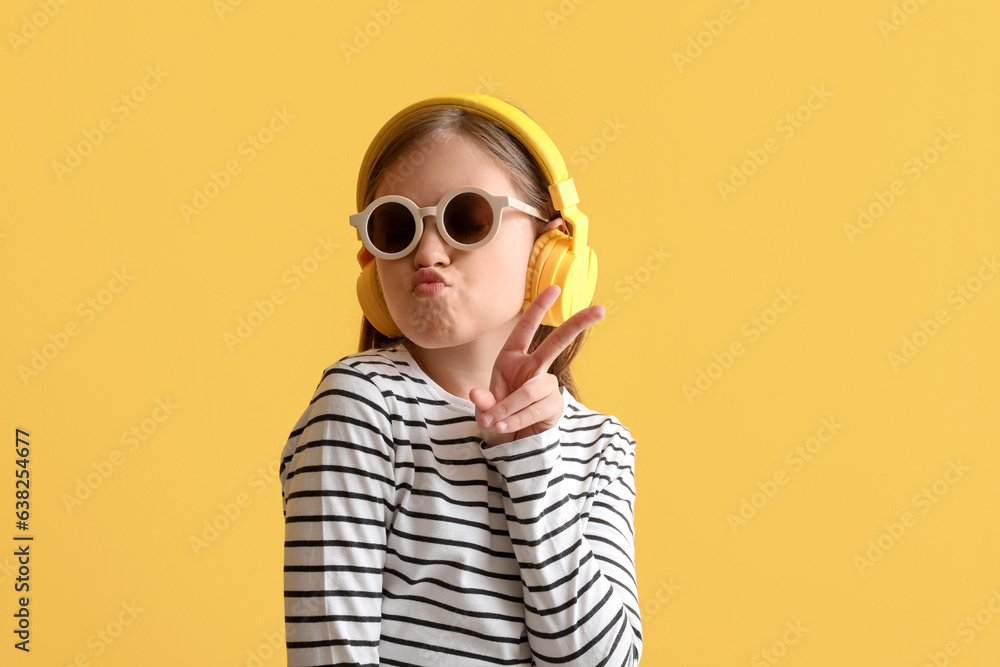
(448,499)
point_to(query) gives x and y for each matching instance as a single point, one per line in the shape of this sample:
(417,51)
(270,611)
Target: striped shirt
(407,542)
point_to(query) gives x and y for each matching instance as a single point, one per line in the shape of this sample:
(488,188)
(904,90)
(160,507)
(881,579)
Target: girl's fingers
(557,341)
(546,410)
(483,399)
(533,390)
(524,331)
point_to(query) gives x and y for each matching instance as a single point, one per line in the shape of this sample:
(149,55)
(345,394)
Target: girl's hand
(524,398)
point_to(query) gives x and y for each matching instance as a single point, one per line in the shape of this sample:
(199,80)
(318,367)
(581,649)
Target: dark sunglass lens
(468,218)
(391,227)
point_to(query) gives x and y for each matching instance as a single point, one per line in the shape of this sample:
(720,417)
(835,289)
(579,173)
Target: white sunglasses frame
(497,202)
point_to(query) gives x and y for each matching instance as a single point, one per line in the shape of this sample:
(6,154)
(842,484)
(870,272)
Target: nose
(432,250)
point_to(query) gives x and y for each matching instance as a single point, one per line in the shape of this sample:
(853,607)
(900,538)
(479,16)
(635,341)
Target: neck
(461,368)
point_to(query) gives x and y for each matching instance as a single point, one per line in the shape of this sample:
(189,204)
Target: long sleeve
(337,488)
(576,554)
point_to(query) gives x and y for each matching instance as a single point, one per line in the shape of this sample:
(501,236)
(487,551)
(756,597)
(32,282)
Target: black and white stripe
(408,543)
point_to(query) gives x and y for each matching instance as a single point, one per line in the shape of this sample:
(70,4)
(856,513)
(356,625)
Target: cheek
(503,274)
(390,281)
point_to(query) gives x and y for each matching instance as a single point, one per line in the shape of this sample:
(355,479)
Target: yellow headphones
(557,258)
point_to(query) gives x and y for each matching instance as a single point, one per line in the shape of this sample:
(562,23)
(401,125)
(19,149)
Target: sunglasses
(467,218)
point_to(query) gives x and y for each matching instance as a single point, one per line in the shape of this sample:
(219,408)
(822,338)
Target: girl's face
(484,288)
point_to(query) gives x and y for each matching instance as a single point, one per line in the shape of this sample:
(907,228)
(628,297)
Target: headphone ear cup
(540,252)
(551,263)
(372,301)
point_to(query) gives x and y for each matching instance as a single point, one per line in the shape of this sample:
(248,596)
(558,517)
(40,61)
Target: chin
(430,330)
(438,323)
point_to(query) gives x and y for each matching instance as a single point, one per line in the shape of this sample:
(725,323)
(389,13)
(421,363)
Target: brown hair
(395,161)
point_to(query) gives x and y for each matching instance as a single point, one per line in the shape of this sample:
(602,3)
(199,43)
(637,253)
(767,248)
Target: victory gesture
(524,398)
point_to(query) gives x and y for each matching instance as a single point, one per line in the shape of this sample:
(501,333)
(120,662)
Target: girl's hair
(395,161)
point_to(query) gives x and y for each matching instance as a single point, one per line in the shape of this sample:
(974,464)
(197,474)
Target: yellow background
(711,595)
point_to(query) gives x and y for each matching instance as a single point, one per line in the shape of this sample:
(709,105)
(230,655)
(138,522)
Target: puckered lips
(427,282)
